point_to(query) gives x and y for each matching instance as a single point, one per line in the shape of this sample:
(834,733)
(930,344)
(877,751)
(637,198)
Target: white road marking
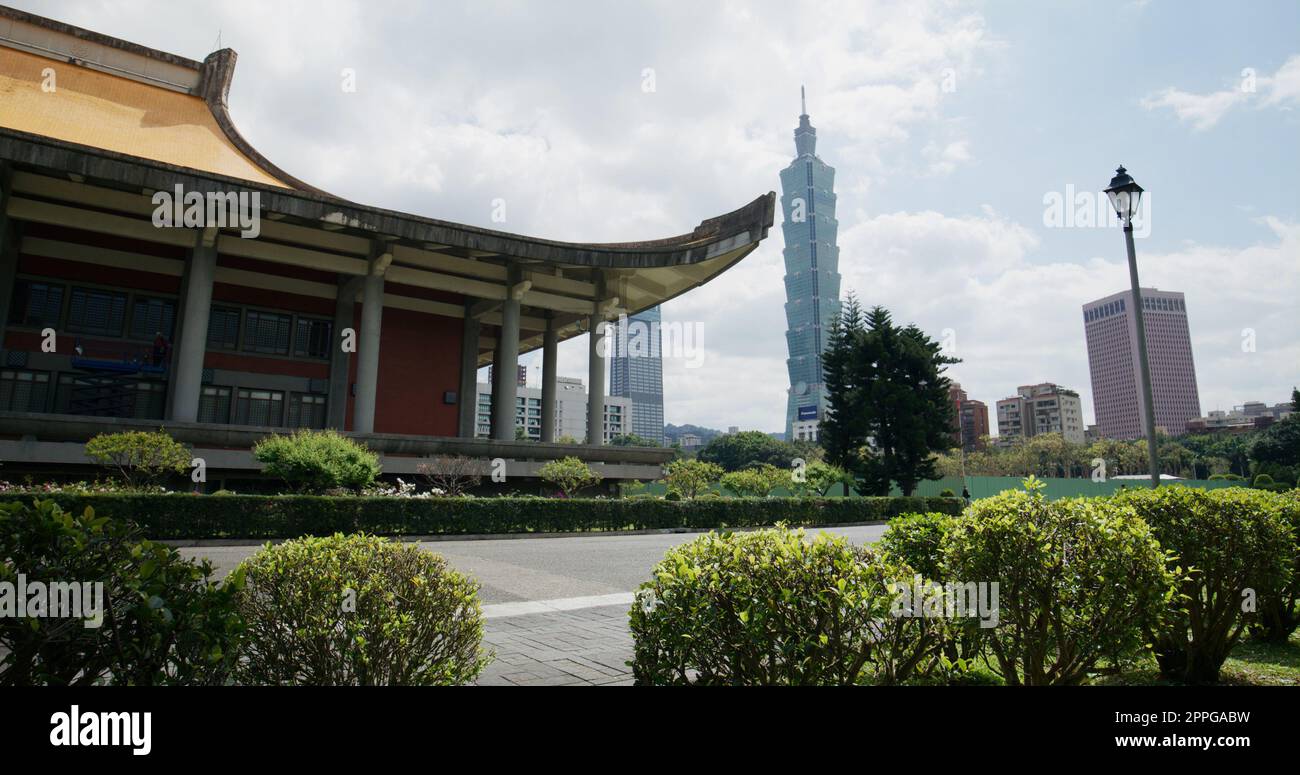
(523,607)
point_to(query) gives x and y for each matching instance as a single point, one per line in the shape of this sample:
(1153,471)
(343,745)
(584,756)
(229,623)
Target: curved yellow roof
(96,109)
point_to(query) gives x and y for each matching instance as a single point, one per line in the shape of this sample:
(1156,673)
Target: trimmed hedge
(191,517)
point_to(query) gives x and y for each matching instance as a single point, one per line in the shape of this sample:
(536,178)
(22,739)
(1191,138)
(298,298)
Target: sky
(951,127)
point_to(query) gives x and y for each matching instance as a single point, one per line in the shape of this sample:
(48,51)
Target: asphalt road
(531,569)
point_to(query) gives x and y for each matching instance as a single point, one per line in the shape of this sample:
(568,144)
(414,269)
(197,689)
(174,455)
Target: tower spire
(805,137)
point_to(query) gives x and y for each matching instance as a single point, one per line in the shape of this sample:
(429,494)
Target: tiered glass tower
(812,278)
(636,372)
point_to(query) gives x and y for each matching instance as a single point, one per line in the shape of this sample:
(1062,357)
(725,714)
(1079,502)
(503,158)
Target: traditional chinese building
(311,311)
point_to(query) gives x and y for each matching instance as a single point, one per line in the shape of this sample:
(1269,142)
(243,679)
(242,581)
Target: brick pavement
(585,647)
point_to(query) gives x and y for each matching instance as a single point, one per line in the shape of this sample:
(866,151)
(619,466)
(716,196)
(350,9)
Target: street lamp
(1125,195)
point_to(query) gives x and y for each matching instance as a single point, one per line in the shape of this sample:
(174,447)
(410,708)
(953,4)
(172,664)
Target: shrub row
(343,610)
(1083,585)
(191,517)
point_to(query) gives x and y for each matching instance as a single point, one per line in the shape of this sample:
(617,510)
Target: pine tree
(888,401)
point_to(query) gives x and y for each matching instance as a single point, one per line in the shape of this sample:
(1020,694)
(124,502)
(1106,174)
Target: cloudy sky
(950,125)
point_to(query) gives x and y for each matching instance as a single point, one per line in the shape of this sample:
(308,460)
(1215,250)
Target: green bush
(358,611)
(569,474)
(917,541)
(947,493)
(141,458)
(1076,579)
(1279,606)
(1226,542)
(771,608)
(188,516)
(1226,477)
(162,620)
(317,461)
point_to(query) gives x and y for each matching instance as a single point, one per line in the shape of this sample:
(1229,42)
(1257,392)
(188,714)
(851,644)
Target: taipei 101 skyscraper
(812,278)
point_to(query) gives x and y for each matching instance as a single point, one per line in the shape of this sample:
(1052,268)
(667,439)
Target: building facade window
(214,404)
(23,391)
(267,332)
(259,407)
(306,410)
(36,304)
(223,328)
(313,338)
(97,312)
(150,317)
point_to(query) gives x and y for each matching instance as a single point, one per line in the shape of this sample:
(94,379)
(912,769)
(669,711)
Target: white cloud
(541,104)
(1203,111)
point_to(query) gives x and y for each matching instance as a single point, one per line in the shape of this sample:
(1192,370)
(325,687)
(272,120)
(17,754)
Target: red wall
(419,360)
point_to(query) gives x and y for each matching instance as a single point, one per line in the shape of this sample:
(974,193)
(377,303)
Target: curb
(194,543)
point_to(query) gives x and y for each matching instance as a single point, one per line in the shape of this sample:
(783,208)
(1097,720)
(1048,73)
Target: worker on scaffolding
(161,350)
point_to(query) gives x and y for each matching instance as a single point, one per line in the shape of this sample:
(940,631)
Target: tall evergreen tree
(841,425)
(888,409)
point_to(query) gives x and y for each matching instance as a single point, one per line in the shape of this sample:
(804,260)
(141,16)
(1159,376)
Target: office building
(1111,331)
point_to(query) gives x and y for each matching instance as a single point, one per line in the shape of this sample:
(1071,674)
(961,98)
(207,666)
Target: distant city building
(1092,433)
(636,372)
(570,411)
(1250,416)
(733,429)
(1111,332)
(1038,409)
(970,419)
(690,441)
(804,430)
(521,375)
(812,279)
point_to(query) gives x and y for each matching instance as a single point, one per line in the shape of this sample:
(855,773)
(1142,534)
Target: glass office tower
(636,372)
(812,279)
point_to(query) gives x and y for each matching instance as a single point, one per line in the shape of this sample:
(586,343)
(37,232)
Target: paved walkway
(556,608)
(582,647)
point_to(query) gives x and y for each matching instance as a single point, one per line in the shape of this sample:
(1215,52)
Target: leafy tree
(689,478)
(820,477)
(888,409)
(631,440)
(569,474)
(141,458)
(1276,451)
(757,482)
(738,451)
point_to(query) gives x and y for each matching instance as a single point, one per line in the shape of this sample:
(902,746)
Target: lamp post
(1125,194)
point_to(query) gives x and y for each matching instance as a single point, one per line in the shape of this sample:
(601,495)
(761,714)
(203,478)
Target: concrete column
(550,355)
(372,317)
(340,362)
(187,355)
(596,380)
(506,373)
(468,396)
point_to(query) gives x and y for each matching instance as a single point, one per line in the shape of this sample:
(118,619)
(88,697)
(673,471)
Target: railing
(117,359)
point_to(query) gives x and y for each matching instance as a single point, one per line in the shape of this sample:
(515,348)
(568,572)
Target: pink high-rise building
(1113,359)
